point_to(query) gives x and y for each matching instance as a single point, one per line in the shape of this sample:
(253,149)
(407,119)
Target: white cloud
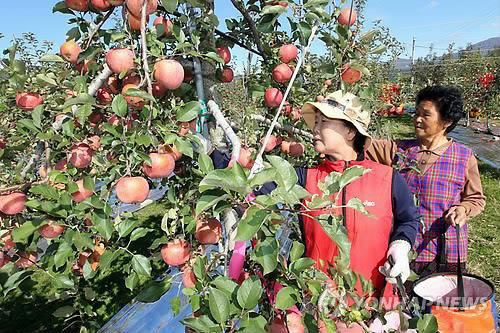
(432,4)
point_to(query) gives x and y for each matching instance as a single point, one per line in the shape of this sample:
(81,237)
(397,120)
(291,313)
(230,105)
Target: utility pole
(412,61)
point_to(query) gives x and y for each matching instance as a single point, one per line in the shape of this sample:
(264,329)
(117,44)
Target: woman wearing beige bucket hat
(340,131)
(339,125)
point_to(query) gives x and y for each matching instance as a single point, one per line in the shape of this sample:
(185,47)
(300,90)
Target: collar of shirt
(436,151)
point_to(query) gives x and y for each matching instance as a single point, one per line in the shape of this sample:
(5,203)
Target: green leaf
(36,115)
(138,233)
(305,32)
(338,234)
(233,179)
(175,303)
(356,203)
(286,298)
(250,223)
(314,4)
(14,280)
(184,146)
(189,111)
(209,199)
(132,280)
(368,36)
(153,291)
(262,177)
(285,173)
(74,33)
(144,140)
(107,258)
(330,185)
(62,255)
(170,5)
(64,311)
(126,226)
(141,265)
(51,58)
(225,285)
(46,191)
(139,93)
(88,272)
(79,100)
(427,324)
(28,124)
(266,254)
(249,293)
(82,241)
(219,305)
(301,264)
(102,224)
(88,183)
(25,230)
(253,323)
(199,268)
(273,10)
(83,112)
(379,49)
(205,163)
(43,79)
(214,56)
(297,251)
(119,106)
(63,282)
(201,324)
(351,174)
(90,294)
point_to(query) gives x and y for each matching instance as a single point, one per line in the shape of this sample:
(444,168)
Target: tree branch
(230,38)
(35,157)
(144,49)
(98,27)
(21,187)
(241,8)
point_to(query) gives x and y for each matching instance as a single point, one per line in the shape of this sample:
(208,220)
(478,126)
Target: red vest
(369,236)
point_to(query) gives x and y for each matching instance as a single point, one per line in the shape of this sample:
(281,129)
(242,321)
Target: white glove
(398,250)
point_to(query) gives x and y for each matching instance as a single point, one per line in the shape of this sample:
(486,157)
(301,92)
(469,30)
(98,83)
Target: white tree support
(286,127)
(224,124)
(259,164)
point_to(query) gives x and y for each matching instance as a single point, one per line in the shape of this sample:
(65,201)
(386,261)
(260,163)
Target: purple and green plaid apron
(436,190)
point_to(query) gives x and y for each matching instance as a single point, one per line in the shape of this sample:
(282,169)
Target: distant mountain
(487,44)
(404,65)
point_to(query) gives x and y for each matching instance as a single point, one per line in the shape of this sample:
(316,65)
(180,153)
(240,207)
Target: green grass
(484,230)
(484,234)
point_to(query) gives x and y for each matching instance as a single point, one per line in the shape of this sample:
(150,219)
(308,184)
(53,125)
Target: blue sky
(437,22)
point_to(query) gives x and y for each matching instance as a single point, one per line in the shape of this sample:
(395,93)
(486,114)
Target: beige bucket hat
(339,105)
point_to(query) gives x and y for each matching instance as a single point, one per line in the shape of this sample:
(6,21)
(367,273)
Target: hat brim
(309,115)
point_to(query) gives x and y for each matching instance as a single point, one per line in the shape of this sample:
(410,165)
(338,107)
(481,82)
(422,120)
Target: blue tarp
(152,317)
